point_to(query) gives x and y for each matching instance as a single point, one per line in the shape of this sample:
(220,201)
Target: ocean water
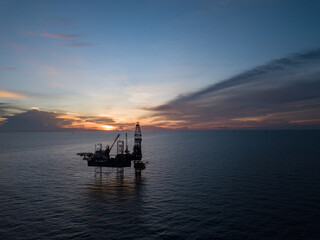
(197,185)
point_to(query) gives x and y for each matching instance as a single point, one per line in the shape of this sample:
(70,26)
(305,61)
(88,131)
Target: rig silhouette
(123,158)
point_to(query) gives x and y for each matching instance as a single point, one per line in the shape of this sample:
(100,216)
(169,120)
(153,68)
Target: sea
(241,184)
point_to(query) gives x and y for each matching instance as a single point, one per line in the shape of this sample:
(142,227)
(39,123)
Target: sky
(170,64)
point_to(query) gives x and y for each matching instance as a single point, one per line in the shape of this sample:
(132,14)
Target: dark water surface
(198,185)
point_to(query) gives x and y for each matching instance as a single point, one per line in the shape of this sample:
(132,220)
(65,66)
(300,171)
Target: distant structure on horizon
(123,158)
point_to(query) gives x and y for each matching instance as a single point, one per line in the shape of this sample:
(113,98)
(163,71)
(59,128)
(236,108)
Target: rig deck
(102,158)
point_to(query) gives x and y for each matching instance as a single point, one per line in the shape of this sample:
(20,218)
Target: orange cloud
(36,120)
(9,94)
(88,122)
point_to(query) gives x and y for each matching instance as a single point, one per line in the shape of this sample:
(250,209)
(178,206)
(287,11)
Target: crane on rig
(108,149)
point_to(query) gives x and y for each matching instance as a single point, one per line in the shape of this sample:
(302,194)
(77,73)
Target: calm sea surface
(197,185)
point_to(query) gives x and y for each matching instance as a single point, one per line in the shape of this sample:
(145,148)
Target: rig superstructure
(123,158)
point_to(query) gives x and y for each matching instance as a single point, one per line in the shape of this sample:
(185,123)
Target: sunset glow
(168,64)
(108,128)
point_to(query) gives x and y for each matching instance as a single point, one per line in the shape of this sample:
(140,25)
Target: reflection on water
(114,205)
(243,185)
(116,194)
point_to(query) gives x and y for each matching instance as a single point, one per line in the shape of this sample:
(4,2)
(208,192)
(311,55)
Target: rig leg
(98,170)
(137,172)
(120,172)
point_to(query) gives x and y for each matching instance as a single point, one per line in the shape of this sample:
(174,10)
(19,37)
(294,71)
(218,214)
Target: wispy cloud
(70,40)
(10,94)
(7,109)
(282,93)
(63,36)
(76,44)
(10,68)
(66,21)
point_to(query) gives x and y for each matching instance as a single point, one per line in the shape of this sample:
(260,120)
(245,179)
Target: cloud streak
(10,94)
(284,93)
(75,44)
(66,21)
(70,40)
(63,36)
(7,109)
(10,68)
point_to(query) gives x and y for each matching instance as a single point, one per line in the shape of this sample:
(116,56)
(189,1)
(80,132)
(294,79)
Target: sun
(108,128)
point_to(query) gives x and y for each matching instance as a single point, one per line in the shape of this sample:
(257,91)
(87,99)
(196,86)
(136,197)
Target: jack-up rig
(123,158)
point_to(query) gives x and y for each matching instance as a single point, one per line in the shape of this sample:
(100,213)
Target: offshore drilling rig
(123,158)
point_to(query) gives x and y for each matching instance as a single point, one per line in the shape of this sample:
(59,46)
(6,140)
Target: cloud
(10,94)
(70,39)
(66,21)
(10,68)
(34,120)
(7,109)
(76,44)
(63,36)
(102,120)
(284,93)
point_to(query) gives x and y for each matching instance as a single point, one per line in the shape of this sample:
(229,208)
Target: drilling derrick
(137,154)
